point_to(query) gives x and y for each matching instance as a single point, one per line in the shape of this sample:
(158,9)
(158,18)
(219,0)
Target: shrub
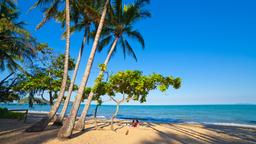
(4,113)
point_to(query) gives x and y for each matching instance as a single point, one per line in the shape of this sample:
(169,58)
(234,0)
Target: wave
(151,119)
(38,112)
(230,124)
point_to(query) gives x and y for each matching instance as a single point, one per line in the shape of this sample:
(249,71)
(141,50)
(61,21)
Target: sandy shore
(12,132)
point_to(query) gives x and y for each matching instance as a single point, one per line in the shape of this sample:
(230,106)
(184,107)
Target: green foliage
(137,86)
(7,96)
(48,78)
(103,67)
(6,89)
(17,46)
(34,100)
(39,79)
(4,113)
(133,84)
(87,90)
(58,63)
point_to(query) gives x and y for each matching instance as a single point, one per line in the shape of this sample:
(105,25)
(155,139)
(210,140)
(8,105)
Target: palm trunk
(42,96)
(67,128)
(41,125)
(51,98)
(30,99)
(65,106)
(96,110)
(95,116)
(80,124)
(114,115)
(117,109)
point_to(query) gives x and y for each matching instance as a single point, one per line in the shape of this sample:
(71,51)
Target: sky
(210,44)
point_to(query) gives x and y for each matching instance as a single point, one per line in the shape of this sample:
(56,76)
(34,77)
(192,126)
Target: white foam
(192,122)
(39,112)
(101,117)
(232,124)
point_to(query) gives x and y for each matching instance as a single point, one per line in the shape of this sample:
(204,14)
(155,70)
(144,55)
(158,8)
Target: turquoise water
(208,114)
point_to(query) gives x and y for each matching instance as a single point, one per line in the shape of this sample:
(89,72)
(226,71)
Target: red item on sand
(135,123)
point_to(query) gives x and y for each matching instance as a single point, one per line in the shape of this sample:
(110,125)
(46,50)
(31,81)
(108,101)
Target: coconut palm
(67,128)
(17,46)
(83,13)
(50,12)
(117,31)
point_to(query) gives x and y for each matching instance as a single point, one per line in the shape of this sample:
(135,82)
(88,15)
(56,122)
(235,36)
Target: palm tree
(17,46)
(67,128)
(44,122)
(83,14)
(119,28)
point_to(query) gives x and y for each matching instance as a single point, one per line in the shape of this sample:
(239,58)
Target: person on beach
(135,123)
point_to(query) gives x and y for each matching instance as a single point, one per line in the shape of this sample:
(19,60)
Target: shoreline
(162,122)
(221,104)
(40,114)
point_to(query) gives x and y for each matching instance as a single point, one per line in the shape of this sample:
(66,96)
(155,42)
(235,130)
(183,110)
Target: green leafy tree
(31,85)
(43,79)
(133,85)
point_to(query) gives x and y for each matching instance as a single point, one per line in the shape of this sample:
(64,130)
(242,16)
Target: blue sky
(211,45)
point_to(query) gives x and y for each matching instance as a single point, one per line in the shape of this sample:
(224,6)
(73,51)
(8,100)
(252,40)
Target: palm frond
(130,50)
(104,42)
(136,35)
(118,8)
(141,3)
(123,46)
(49,13)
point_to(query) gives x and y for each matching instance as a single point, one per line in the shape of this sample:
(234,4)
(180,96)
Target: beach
(127,72)
(12,131)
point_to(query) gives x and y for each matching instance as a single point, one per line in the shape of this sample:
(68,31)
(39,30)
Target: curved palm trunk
(65,106)
(67,128)
(117,109)
(41,125)
(80,124)
(114,115)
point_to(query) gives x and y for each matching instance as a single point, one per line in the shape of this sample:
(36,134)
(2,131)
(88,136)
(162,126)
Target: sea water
(240,115)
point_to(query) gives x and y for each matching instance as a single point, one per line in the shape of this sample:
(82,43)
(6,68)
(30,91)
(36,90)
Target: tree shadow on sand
(86,129)
(248,134)
(179,134)
(13,132)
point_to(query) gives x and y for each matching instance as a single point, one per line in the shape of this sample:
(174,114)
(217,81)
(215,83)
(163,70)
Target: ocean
(237,115)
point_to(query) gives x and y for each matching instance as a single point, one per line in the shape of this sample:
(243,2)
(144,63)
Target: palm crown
(16,44)
(120,23)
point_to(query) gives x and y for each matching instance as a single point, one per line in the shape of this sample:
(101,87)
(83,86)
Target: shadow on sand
(12,131)
(189,135)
